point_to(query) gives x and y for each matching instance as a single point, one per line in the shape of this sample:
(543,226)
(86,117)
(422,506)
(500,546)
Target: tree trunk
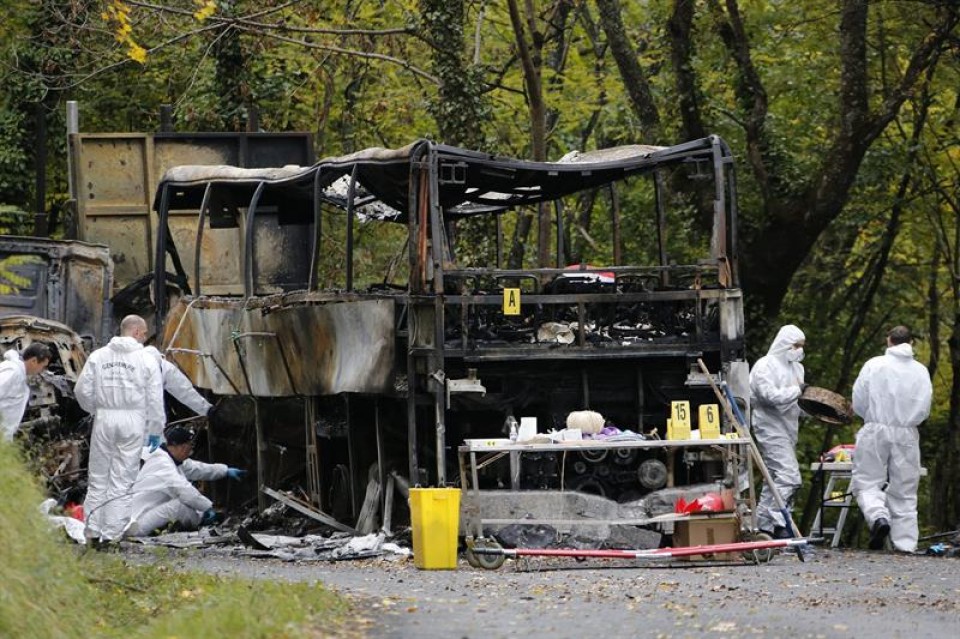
(231,77)
(530,62)
(945,504)
(680,28)
(634,77)
(460,107)
(933,315)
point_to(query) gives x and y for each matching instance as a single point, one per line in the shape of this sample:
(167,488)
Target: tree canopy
(843,116)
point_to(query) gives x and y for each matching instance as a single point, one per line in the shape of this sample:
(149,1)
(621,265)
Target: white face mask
(795,355)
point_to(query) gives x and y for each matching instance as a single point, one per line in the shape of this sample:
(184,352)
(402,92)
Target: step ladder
(837,493)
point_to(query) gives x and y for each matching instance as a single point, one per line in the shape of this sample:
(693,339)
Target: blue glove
(209,517)
(153,441)
(236,474)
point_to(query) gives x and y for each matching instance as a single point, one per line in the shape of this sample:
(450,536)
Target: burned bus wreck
(360,317)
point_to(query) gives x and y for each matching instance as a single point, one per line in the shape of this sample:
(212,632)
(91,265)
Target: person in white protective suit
(14,391)
(120,386)
(163,495)
(776,382)
(180,386)
(892,394)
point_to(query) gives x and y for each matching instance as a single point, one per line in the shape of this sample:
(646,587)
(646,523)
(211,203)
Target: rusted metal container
(826,405)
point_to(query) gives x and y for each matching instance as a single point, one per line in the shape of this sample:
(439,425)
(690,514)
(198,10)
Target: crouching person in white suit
(163,495)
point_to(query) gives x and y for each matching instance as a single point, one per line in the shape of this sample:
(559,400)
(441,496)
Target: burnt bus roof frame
(391,179)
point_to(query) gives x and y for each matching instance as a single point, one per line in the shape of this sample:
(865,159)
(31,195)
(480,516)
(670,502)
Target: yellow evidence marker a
(709,421)
(679,420)
(511,301)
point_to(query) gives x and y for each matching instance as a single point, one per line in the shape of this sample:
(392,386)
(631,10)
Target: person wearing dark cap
(892,394)
(163,494)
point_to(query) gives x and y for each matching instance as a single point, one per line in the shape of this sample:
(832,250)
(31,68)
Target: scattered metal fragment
(309,511)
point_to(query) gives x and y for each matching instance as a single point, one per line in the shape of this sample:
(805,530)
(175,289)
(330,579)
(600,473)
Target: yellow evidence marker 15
(679,420)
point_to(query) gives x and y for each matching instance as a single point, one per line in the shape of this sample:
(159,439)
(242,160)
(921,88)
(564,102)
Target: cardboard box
(700,532)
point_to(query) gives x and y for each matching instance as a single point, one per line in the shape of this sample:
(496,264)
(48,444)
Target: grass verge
(52,589)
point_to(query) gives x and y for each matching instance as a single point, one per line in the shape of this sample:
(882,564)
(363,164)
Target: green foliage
(362,74)
(154,601)
(11,281)
(14,161)
(460,108)
(13,222)
(41,583)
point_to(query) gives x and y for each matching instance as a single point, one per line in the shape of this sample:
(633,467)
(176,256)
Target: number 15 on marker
(680,414)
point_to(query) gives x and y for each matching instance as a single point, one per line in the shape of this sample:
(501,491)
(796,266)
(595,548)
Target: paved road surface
(834,594)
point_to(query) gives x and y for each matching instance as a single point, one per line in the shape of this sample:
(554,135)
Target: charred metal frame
(429,186)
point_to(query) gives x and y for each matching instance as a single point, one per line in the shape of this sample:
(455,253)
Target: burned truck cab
(59,295)
(391,299)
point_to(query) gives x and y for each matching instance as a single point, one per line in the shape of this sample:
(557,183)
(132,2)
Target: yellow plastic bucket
(435,519)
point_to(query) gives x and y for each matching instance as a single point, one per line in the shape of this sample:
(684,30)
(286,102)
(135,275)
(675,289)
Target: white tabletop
(597,444)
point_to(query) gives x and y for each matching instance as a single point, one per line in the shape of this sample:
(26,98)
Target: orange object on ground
(74,510)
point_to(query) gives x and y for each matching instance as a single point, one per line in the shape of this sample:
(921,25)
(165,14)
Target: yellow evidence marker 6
(709,421)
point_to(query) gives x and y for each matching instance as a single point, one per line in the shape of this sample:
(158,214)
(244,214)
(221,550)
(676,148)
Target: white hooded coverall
(120,386)
(14,393)
(163,493)
(892,394)
(178,384)
(775,387)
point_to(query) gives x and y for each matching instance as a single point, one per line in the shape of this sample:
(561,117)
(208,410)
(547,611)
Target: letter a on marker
(511,301)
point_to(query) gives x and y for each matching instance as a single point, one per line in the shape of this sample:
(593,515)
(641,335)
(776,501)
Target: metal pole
(204,204)
(73,129)
(249,273)
(166,118)
(317,233)
(351,193)
(615,221)
(380,472)
(499,239)
(661,227)
(558,209)
(415,202)
(160,266)
(437,366)
(261,445)
(73,117)
(40,216)
(313,452)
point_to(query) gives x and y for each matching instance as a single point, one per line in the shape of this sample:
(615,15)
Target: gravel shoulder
(833,594)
